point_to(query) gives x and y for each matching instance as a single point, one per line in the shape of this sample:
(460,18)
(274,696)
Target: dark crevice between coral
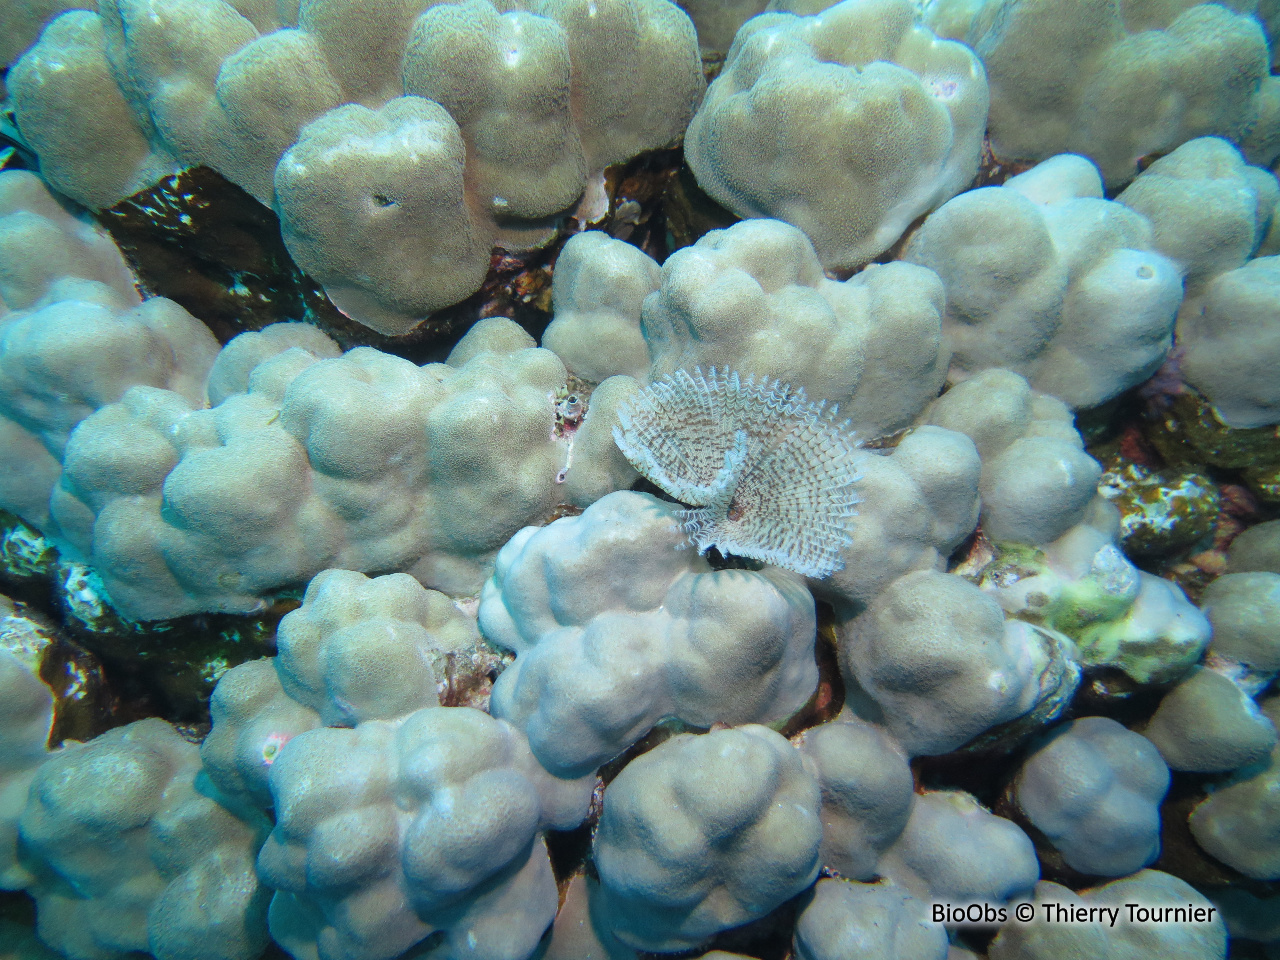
(128,670)
(767,938)
(1171,457)
(640,198)
(203,242)
(689,212)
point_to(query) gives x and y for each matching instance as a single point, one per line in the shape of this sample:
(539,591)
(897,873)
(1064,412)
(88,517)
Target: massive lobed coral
(1094,789)
(704,833)
(875,921)
(26,714)
(1208,723)
(74,337)
(867,792)
(754,298)
(848,124)
(214,507)
(615,627)
(1036,481)
(129,849)
(1178,939)
(1082,585)
(1239,823)
(941,664)
(1211,213)
(395,817)
(359,128)
(1117,82)
(389,832)
(954,850)
(1046,278)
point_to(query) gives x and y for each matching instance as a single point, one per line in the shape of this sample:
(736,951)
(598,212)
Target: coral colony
(348,484)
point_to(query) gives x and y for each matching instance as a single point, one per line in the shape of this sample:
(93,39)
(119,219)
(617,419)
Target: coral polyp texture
(222,476)
(128,850)
(878,921)
(848,124)
(953,849)
(767,474)
(1047,278)
(1094,789)
(1181,936)
(390,832)
(867,792)
(1117,82)
(1239,823)
(1213,215)
(705,833)
(1037,481)
(970,669)
(360,136)
(754,298)
(891,573)
(26,713)
(615,628)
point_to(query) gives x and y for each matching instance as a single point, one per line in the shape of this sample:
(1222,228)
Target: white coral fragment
(767,473)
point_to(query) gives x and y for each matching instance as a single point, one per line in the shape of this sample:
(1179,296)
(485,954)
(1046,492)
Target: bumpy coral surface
(1211,213)
(705,833)
(1209,210)
(597,742)
(389,832)
(1256,549)
(1240,822)
(754,298)
(1118,81)
(129,851)
(357,126)
(1046,278)
(942,663)
(615,627)
(867,791)
(214,507)
(597,292)
(1243,608)
(21,23)
(26,712)
(357,649)
(1208,723)
(360,649)
(409,157)
(1178,937)
(848,124)
(74,337)
(875,921)
(1037,480)
(1083,586)
(1094,789)
(1233,344)
(918,505)
(955,850)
